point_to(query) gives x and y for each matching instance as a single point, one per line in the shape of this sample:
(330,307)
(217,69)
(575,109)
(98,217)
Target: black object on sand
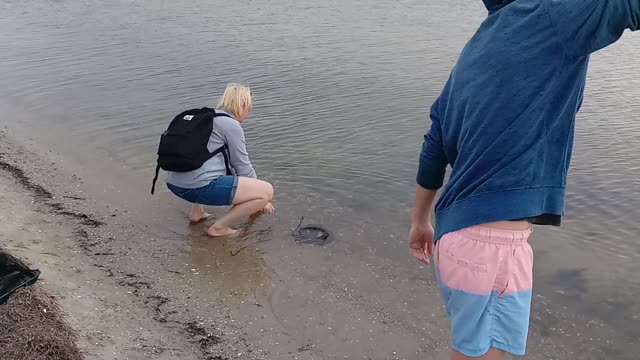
(13,276)
(312,234)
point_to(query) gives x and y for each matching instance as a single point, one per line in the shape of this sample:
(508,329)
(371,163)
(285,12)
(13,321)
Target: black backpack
(183,146)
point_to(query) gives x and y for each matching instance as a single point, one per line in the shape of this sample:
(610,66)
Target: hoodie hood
(495,5)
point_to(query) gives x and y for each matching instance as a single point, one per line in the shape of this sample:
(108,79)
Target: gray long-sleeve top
(225,130)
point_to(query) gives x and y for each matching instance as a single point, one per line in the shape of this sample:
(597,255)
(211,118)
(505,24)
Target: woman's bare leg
(251,196)
(493,354)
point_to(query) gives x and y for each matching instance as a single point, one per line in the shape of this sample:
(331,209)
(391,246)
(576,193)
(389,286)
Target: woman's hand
(421,242)
(268,209)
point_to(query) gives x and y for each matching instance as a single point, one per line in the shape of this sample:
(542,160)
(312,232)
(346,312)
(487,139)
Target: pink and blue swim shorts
(485,277)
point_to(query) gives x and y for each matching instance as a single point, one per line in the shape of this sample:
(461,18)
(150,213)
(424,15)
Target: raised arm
(586,26)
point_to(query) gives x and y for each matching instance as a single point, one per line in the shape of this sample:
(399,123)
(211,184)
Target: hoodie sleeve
(586,26)
(238,155)
(433,160)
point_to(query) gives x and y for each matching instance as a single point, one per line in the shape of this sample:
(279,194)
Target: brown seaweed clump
(33,328)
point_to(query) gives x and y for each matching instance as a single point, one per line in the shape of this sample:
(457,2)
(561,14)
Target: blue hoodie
(505,119)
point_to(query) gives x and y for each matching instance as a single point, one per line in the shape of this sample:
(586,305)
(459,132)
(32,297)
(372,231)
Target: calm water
(342,91)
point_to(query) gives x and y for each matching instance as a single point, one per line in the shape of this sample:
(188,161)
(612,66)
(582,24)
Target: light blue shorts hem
(483,351)
(510,349)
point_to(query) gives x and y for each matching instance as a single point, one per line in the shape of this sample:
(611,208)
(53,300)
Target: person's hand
(421,242)
(268,209)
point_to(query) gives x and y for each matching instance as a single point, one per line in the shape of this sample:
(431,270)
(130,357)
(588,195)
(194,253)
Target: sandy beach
(121,300)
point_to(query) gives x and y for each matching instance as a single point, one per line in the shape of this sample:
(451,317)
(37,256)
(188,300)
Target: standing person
(210,184)
(505,123)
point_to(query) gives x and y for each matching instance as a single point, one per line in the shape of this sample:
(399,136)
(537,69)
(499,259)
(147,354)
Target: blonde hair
(235,99)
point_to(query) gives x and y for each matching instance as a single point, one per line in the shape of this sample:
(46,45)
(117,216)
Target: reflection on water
(342,92)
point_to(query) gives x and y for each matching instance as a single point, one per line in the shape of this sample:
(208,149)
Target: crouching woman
(210,185)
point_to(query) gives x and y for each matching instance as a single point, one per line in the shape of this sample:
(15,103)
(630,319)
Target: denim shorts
(219,192)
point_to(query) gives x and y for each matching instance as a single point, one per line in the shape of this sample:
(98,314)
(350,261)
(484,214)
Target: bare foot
(221,230)
(197,214)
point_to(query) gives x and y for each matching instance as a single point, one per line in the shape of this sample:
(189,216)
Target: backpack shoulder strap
(215,113)
(223,149)
(153,184)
